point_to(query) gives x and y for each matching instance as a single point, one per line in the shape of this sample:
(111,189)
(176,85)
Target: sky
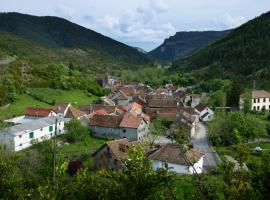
(144,23)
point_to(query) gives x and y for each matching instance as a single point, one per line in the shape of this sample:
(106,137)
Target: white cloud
(109,22)
(228,21)
(159,5)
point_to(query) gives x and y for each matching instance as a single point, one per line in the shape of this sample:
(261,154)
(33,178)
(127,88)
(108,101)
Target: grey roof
(32,125)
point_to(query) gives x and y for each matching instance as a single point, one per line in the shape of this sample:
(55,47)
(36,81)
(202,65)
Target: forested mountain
(185,43)
(245,51)
(55,33)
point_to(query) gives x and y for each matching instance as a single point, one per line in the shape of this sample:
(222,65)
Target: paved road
(201,142)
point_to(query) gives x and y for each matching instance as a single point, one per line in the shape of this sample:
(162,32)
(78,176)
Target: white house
(205,113)
(195,100)
(31,114)
(169,157)
(259,99)
(22,136)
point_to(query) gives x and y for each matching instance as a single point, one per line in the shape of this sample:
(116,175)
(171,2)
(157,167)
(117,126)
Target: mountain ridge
(56,32)
(183,43)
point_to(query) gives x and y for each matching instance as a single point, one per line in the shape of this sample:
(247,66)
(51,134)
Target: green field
(18,107)
(88,146)
(75,97)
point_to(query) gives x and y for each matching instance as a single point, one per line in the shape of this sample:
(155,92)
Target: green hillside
(54,32)
(245,52)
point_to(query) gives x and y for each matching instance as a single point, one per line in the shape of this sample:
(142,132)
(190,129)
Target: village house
(170,157)
(127,125)
(161,107)
(195,100)
(22,136)
(74,113)
(205,113)
(183,124)
(61,109)
(188,114)
(121,98)
(119,121)
(30,114)
(181,96)
(111,155)
(260,99)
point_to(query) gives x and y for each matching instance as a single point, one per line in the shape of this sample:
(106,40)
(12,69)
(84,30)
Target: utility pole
(54,150)
(254,84)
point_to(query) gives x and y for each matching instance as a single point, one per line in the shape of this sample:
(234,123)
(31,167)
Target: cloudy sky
(144,23)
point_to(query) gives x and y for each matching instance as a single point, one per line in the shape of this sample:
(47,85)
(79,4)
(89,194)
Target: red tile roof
(260,94)
(200,107)
(38,112)
(161,101)
(74,113)
(130,121)
(109,121)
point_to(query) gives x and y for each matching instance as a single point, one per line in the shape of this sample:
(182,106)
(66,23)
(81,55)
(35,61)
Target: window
(258,107)
(59,131)
(20,136)
(165,165)
(59,123)
(124,130)
(254,107)
(31,135)
(264,100)
(258,100)
(254,100)
(41,129)
(50,128)
(20,144)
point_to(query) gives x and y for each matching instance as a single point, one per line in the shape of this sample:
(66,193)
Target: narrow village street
(201,142)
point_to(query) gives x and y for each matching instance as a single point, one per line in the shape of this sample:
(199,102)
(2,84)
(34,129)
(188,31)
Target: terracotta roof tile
(109,121)
(200,107)
(130,121)
(74,113)
(260,94)
(38,112)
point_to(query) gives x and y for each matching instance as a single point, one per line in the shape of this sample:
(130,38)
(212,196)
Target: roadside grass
(75,97)
(263,145)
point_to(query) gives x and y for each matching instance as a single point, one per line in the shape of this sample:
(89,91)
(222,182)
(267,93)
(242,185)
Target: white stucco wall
(259,103)
(22,139)
(210,115)
(181,169)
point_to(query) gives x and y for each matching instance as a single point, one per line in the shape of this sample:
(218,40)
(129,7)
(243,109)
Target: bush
(75,131)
